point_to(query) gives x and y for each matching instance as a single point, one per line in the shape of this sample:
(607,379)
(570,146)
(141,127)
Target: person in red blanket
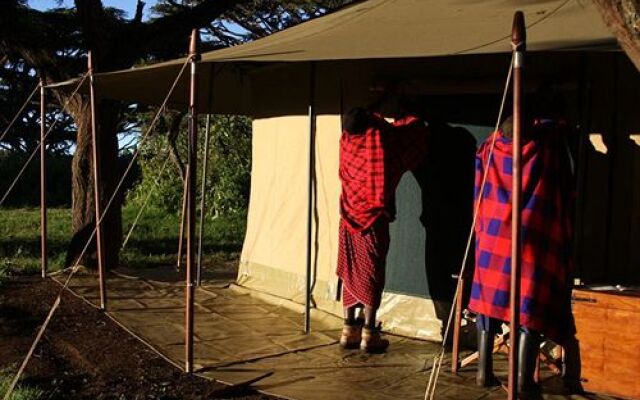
(374,154)
(547,183)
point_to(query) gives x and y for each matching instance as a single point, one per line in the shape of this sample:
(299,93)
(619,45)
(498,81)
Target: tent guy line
(438,359)
(40,144)
(544,18)
(76,265)
(19,112)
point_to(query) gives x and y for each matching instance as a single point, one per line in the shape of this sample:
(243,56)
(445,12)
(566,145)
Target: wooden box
(608,324)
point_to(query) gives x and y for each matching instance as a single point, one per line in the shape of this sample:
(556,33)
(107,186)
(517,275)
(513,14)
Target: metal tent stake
(518,42)
(43,181)
(191,202)
(312,155)
(96,187)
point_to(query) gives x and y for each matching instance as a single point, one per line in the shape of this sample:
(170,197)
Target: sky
(128,5)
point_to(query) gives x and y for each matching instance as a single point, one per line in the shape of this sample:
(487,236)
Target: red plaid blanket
(546,232)
(371,165)
(361,263)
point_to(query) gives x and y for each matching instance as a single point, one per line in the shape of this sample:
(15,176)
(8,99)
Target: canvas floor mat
(230,326)
(240,337)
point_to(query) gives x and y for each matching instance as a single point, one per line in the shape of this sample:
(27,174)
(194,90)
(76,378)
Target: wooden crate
(608,325)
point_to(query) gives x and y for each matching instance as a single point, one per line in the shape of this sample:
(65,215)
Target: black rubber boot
(485,377)
(528,352)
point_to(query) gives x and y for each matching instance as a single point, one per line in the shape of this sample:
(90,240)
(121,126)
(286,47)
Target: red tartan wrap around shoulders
(372,164)
(547,187)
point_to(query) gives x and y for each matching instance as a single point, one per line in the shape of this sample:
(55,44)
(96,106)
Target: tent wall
(273,257)
(608,234)
(601,91)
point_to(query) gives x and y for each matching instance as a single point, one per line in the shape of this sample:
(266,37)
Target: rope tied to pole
(76,266)
(438,359)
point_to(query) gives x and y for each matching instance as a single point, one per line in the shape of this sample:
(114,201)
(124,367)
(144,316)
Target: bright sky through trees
(127,5)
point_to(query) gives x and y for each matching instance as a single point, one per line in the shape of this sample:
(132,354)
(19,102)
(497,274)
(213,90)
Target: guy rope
(15,118)
(518,42)
(35,151)
(75,267)
(437,360)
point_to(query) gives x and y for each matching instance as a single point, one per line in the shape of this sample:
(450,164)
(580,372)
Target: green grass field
(21,392)
(154,241)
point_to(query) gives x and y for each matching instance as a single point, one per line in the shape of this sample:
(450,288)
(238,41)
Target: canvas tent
(454,53)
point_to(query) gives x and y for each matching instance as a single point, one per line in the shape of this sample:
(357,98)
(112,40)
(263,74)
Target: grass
(154,241)
(21,392)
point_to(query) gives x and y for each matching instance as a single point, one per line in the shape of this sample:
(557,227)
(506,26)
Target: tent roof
(425,28)
(382,29)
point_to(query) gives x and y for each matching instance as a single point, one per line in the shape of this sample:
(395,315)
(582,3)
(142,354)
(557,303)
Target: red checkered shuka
(361,263)
(546,232)
(371,165)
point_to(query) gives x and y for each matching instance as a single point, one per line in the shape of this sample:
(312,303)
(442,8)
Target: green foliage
(20,240)
(21,392)
(228,172)
(27,190)
(154,241)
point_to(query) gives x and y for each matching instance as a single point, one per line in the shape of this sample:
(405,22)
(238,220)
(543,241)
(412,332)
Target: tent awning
(374,29)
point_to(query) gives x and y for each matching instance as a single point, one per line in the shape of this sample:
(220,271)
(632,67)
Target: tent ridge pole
(96,185)
(191,203)
(43,180)
(312,134)
(518,42)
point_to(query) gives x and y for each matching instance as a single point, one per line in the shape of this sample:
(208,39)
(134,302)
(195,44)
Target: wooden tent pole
(43,181)
(191,201)
(203,197)
(96,186)
(312,163)
(457,325)
(518,42)
(183,216)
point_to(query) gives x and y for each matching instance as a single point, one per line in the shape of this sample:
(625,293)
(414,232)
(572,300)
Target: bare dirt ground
(84,355)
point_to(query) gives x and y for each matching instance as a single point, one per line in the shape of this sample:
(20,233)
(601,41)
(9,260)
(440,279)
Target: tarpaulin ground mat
(240,336)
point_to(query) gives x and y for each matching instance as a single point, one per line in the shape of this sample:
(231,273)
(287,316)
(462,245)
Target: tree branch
(611,12)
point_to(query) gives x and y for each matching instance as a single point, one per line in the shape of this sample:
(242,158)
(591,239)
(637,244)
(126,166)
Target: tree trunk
(623,19)
(83,208)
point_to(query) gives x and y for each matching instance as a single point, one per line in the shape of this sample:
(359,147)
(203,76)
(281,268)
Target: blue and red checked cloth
(546,232)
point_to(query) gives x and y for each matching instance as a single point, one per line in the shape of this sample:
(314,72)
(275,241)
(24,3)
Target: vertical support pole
(518,42)
(203,197)
(457,321)
(183,216)
(43,181)
(191,202)
(312,166)
(96,186)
